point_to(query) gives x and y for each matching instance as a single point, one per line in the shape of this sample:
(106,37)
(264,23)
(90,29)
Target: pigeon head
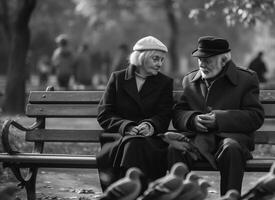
(192,177)
(204,184)
(134,173)
(179,170)
(233,194)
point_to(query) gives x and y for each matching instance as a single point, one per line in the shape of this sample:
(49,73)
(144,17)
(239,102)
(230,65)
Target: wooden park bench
(83,104)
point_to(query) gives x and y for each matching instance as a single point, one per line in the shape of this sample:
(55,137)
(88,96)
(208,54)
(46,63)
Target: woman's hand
(146,129)
(132,130)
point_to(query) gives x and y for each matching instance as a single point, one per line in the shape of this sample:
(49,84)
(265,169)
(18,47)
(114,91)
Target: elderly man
(220,108)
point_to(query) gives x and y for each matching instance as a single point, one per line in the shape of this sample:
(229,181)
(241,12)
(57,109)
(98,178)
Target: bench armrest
(5,133)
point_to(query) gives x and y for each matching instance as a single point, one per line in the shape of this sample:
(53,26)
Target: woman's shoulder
(119,73)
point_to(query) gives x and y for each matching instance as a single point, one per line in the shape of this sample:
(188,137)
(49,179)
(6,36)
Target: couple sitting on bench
(215,119)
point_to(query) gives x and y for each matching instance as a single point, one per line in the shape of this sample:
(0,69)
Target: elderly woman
(136,104)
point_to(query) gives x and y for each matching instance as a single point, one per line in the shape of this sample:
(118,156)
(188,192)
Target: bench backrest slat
(265,137)
(269,110)
(49,135)
(266,96)
(91,97)
(61,110)
(90,110)
(87,97)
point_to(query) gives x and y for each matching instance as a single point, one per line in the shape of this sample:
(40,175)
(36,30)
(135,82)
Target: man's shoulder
(245,71)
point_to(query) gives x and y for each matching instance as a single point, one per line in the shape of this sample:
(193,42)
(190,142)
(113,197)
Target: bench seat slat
(62,110)
(56,135)
(87,97)
(49,160)
(89,161)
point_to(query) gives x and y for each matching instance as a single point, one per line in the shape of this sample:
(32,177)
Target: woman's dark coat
(122,105)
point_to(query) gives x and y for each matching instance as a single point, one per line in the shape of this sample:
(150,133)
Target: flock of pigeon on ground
(179,184)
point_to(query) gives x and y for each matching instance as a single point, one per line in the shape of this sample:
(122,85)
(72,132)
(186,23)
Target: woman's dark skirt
(146,153)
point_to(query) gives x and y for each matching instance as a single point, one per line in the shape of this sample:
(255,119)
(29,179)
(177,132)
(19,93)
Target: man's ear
(224,60)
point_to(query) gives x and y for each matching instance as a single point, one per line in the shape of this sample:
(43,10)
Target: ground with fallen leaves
(83,184)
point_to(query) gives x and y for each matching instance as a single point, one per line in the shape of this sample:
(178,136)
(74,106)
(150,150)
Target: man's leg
(231,163)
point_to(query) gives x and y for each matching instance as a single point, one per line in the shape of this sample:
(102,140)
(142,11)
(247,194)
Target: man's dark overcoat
(123,105)
(233,97)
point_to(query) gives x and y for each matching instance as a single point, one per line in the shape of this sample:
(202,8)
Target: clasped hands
(144,129)
(204,122)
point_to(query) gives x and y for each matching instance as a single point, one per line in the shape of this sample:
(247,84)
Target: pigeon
(264,186)
(183,143)
(167,187)
(231,195)
(191,188)
(126,188)
(8,193)
(204,185)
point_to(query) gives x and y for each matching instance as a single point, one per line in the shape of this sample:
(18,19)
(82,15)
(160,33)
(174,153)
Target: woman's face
(152,63)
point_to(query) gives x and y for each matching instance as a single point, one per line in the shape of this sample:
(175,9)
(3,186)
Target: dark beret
(210,46)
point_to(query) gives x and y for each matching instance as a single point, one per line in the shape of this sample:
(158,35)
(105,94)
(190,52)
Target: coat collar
(230,73)
(151,84)
(130,72)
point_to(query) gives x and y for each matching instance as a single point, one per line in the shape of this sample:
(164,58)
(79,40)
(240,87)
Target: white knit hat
(149,43)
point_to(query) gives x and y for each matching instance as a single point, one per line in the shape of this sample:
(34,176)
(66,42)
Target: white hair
(137,57)
(225,57)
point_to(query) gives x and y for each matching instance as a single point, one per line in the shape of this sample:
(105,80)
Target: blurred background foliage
(105,24)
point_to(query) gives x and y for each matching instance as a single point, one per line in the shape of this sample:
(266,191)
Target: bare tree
(14,101)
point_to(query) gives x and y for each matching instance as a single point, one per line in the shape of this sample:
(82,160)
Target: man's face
(211,66)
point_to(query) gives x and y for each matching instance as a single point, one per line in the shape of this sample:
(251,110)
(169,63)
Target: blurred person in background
(136,104)
(220,109)
(44,69)
(63,61)
(121,60)
(82,71)
(258,65)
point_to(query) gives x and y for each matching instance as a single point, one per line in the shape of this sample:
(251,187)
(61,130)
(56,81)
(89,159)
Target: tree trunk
(14,101)
(173,44)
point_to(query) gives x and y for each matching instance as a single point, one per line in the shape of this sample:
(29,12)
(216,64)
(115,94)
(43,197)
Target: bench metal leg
(29,182)
(31,186)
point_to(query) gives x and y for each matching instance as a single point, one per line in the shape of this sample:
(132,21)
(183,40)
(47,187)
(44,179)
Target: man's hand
(199,125)
(205,121)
